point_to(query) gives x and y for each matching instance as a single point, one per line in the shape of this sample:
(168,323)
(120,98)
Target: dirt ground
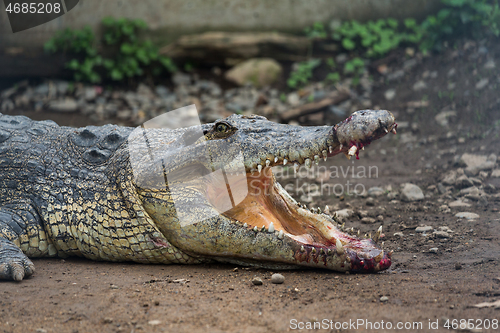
(421,288)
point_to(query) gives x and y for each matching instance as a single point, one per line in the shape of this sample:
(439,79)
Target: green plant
(123,53)
(376,38)
(332,77)
(303,73)
(316,31)
(460,18)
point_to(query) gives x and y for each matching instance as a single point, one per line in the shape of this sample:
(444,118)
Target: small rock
(452,72)
(260,72)
(293,99)
(444,209)
(107,320)
(442,118)
(277,278)
(180,78)
(7,105)
(424,229)
(433,250)
(463,182)
(390,94)
(66,105)
(419,85)
(257,281)
(343,214)
(375,191)
(396,75)
(41,330)
(411,192)
(467,215)
(155,322)
(495,173)
(490,64)
(370,202)
(458,266)
(458,204)
(368,220)
(441,234)
(384,299)
(482,83)
(399,234)
(341,58)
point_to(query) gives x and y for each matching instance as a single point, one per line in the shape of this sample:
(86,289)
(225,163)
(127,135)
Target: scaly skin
(106,193)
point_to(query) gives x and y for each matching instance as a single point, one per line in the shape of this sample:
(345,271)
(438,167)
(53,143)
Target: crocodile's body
(67,191)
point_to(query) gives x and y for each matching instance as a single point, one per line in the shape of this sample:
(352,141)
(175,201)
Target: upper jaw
(309,145)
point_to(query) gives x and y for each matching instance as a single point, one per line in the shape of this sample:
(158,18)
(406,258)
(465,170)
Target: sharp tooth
(359,232)
(302,249)
(322,251)
(394,130)
(280,234)
(330,149)
(271,227)
(327,210)
(263,229)
(255,229)
(316,159)
(308,163)
(275,159)
(285,161)
(352,150)
(341,146)
(319,210)
(296,167)
(389,254)
(377,234)
(259,168)
(268,163)
(313,250)
(329,252)
(340,248)
(245,225)
(382,244)
(325,155)
(304,206)
(386,131)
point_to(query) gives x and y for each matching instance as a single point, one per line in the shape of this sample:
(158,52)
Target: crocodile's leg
(21,235)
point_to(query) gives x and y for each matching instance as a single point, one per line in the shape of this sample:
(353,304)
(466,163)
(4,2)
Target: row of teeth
(308,161)
(339,247)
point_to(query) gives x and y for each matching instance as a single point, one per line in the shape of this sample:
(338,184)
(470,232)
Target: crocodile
(106,193)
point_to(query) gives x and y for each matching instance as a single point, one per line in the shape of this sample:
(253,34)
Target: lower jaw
(268,207)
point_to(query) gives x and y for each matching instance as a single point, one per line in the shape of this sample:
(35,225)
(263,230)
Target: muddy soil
(424,291)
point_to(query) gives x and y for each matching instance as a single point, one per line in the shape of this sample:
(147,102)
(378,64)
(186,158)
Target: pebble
(390,94)
(458,204)
(155,322)
(277,278)
(257,281)
(399,234)
(368,220)
(343,213)
(41,330)
(424,229)
(419,85)
(495,173)
(490,64)
(441,234)
(458,266)
(65,105)
(375,191)
(434,250)
(411,192)
(482,83)
(384,299)
(467,215)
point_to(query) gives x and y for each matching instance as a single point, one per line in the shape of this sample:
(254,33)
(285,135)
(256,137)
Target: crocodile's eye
(222,128)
